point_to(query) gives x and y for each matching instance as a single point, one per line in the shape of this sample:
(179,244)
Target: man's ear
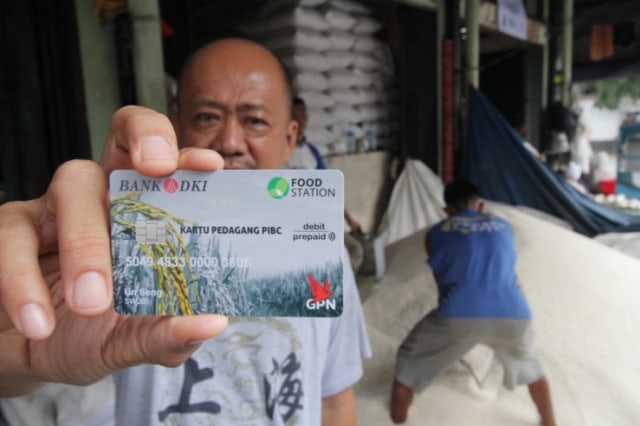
(291,139)
(480,206)
(448,210)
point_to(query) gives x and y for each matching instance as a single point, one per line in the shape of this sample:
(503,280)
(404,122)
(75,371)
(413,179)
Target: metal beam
(567,50)
(488,17)
(431,4)
(544,98)
(472,11)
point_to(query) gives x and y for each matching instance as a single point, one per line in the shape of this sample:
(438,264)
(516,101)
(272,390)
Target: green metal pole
(441,17)
(545,55)
(567,50)
(472,14)
(148,57)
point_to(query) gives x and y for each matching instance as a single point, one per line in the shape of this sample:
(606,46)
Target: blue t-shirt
(473,259)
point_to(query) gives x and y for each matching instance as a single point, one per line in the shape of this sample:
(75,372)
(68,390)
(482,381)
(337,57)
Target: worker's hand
(355,227)
(57,321)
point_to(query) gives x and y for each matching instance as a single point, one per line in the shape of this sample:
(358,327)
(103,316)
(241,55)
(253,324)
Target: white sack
(416,202)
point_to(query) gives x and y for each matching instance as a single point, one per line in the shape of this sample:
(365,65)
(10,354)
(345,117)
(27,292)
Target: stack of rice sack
(340,69)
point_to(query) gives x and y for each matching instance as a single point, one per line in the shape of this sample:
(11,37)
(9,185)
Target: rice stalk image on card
(145,244)
(157,272)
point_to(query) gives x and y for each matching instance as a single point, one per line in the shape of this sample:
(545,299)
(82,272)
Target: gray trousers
(437,342)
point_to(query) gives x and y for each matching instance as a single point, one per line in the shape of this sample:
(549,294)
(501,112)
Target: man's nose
(230,140)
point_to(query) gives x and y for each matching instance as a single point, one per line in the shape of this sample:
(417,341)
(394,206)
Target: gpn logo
(278,188)
(321,295)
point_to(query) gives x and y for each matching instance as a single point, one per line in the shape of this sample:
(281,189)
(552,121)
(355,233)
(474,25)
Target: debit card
(231,242)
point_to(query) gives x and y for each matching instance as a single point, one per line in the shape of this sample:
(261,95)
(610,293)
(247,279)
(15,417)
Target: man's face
(233,100)
(300,115)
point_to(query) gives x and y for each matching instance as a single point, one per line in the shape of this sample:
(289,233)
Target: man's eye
(205,117)
(255,121)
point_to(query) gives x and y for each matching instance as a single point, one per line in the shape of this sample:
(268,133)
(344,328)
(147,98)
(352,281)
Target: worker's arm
(339,409)
(427,247)
(353,224)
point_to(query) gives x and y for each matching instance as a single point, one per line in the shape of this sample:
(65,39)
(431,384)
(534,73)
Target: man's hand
(57,321)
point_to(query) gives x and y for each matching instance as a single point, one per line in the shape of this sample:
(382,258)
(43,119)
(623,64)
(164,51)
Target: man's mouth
(236,165)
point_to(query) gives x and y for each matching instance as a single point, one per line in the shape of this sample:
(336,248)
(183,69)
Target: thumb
(169,341)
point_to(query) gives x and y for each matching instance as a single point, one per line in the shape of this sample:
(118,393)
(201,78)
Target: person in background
(573,176)
(518,124)
(307,156)
(582,151)
(560,128)
(57,322)
(473,258)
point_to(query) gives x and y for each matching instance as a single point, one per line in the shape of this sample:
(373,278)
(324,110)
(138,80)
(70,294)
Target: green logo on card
(278,188)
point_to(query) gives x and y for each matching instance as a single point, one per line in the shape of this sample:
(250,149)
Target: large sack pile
(339,67)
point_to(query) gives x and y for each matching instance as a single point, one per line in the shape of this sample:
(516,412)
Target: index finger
(24,296)
(78,203)
(142,139)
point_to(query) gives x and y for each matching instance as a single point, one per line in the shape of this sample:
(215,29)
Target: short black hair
(460,194)
(297,100)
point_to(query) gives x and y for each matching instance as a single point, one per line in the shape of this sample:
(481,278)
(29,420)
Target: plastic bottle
(371,138)
(350,134)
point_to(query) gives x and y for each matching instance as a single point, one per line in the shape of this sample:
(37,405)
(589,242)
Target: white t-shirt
(303,158)
(260,371)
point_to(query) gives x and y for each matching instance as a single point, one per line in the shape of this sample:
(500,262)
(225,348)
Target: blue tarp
(497,162)
(628,190)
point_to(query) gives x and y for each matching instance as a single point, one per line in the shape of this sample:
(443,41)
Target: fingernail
(193,343)
(33,321)
(156,148)
(90,291)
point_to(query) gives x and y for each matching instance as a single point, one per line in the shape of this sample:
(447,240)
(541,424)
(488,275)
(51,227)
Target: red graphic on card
(320,292)
(170,185)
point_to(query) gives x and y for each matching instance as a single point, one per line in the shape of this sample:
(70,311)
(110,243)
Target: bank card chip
(151,231)
(232,242)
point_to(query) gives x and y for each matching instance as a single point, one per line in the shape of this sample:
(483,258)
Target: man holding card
(56,318)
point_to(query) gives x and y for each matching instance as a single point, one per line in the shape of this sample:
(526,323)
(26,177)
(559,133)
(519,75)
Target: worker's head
(300,115)
(234,96)
(461,195)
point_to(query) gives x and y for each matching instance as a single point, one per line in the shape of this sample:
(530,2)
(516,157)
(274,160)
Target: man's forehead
(246,62)
(253,86)
(235,71)
(253,105)
(239,96)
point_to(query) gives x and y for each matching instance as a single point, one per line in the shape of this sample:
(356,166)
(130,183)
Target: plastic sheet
(497,161)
